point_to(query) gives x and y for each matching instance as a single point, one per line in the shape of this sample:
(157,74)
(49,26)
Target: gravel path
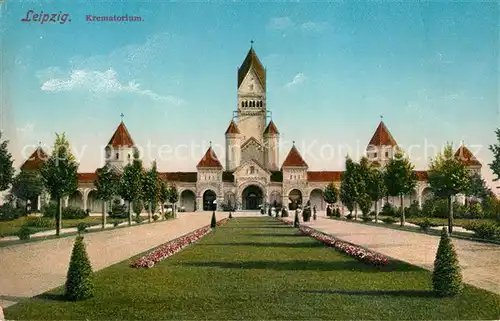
(30,269)
(480,262)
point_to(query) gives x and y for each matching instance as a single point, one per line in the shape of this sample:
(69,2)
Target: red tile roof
(36,160)
(294,159)
(382,137)
(252,60)
(421,175)
(209,160)
(464,155)
(324,176)
(87,177)
(271,129)
(121,137)
(233,128)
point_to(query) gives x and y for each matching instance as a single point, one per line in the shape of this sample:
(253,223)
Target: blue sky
(431,69)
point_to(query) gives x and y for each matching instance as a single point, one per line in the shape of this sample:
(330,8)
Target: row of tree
(58,176)
(363,184)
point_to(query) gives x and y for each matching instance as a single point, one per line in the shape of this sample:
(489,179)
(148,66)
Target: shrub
(349,216)
(138,219)
(296,220)
(49,210)
(446,277)
(306,214)
(460,211)
(156,217)
(213,222)
(476,211)
(230,214)
(269,211)
(82,227)
(337,213)
(484,230)
(329,211)
(115,224)
(25,232)
(284,212)
(8,212)
(389,220)
(137,207)
(72,212)
(118,210)
(388,210)
(40,222)
(372,213)
(79,281)
(367,218)
(424,224)
(413,210)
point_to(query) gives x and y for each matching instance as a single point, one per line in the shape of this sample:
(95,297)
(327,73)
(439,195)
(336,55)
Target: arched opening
(317,199)
(94,205)
(230,201)
(295,197)
(252,197)
(76,200)
(275,199)
(427,194)
(188,200)
(209,198)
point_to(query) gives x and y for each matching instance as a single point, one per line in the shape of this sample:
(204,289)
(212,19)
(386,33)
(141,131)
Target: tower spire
(251,43)
(121,115)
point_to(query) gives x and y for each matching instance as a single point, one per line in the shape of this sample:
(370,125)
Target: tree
(151,188)
(130,186)
(400,179)
(446,277)
(173,197)
(348,185)
(376,187)
(363,199)
(27,185)
(6,168)
(163,194)
(331,193)
(106,185)
(60,174)
(79,280)
(448,177)
(495,149)
(477,187)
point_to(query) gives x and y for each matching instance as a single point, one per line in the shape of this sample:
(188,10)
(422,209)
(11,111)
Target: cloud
(312,26)
(281,23)
(298,79)
(101,82)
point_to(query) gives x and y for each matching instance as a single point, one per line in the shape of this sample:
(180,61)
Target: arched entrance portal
(209,198)
(295,197)
(188,200)
(252,197)
(317,199)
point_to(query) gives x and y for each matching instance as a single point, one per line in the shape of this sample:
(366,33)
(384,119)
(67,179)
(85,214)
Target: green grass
(444,221)
(258,268)
(12,227)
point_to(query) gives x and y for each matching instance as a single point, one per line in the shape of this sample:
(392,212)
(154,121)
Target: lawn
(444,221)
(259,268)
(12,227)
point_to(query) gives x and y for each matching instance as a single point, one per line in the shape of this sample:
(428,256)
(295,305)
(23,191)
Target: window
(242,104)
(252,170)
(386,154)
(374,155)
(128,156)
(117,156)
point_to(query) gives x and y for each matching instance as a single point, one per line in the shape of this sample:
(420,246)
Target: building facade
(253,174)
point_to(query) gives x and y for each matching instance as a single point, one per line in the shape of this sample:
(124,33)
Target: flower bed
(222,222)
(349,249)
(169,249)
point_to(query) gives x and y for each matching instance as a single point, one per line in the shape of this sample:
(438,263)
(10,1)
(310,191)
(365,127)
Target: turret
(382,146)
(233,147)
(120,149)
(271,147)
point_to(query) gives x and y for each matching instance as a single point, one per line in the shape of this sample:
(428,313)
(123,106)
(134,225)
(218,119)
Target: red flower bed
(222,222)
(351,250)
(169,249)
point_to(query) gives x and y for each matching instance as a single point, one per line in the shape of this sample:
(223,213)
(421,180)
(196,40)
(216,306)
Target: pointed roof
(294,159)
(36,160)
(209,160)
(464,155)
(121,137)
(382,137)
(250,61)
(271,129)
(233,128)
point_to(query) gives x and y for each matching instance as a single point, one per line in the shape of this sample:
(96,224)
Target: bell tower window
(117,156)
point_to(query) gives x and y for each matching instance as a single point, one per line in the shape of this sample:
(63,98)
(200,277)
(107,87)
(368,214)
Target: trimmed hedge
(446,277)
(79,280)
(213,222)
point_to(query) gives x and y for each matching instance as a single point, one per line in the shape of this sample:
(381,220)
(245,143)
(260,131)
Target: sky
(431,69)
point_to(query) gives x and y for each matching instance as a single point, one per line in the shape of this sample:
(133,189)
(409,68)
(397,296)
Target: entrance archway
(295,197)
(252,197)
(317,199)
(76,200)
(188,200)
(209,198)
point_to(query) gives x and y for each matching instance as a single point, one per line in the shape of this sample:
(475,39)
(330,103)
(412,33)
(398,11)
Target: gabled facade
(253,174)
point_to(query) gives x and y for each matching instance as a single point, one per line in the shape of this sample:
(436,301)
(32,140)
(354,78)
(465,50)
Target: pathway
(30,269)
(480,262)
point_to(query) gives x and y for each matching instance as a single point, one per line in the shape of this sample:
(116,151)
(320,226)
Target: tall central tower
(251,98)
